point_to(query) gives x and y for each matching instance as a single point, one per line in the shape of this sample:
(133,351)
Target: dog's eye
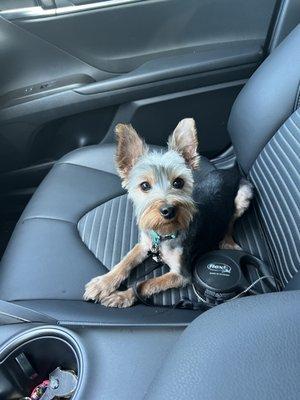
(178,183)
(145,186)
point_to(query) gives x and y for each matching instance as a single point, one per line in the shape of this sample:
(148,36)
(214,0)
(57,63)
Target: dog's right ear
(184,140)
(130,147)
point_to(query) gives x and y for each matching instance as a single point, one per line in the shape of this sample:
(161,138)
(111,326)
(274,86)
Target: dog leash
(155,265)
(183,303)
(154,253)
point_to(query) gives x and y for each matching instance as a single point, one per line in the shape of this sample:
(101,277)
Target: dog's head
(160,184)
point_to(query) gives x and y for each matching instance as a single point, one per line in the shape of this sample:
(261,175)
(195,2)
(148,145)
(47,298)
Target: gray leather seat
(78,224)
(241,350)
(46,259)
(249,348)
(264,126)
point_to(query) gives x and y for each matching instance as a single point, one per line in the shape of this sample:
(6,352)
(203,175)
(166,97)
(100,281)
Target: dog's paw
(100,287)
(243,198)
(119,299)
(229,245)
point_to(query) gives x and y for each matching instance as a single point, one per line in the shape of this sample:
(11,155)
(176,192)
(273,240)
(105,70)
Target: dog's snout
(168,211)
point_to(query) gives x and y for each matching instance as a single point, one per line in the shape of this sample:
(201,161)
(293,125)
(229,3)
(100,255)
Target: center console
(109,362)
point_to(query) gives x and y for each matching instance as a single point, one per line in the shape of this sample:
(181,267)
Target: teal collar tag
(156,238)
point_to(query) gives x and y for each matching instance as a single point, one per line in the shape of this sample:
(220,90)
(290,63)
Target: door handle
(45,9)
(46,4)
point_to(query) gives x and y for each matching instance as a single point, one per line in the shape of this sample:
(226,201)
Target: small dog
(178,219)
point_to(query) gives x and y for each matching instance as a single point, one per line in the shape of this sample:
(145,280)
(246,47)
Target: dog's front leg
(172,279)
(102,286)
(127,298)
(167,281)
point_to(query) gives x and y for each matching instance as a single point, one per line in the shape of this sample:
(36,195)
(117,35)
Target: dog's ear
(184,140)
(130,147)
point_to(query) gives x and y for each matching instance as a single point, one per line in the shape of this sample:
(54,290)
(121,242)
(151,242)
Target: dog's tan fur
(186,145)
(167,281)
(228,242)
(122,299)
(181,158)
(130,148)
(242,203)
(151,218)
(102,286)
(136,166)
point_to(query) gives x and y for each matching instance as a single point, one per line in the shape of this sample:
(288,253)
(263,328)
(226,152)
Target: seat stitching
(84,166)
(48,218)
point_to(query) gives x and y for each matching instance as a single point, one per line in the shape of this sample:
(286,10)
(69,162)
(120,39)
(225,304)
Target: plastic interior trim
(39,12)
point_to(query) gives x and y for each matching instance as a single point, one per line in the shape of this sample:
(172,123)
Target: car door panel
(119,39)
(70,73)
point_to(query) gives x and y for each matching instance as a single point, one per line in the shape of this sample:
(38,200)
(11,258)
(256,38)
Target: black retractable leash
(219,276)
(224,275)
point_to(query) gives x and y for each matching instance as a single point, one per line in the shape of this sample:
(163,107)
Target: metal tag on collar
(155,253)
(171,236)
(156,256)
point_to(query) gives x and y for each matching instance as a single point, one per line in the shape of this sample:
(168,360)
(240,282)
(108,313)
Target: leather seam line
(98,205)
(120,324)
(297,99)
(84,166)
(89,250)
(48,218)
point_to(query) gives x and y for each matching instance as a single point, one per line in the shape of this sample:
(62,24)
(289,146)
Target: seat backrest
(264,125)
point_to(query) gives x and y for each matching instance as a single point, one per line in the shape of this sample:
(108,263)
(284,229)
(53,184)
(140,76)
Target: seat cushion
(242,350)
(78,225)
(52,253)
(46,258)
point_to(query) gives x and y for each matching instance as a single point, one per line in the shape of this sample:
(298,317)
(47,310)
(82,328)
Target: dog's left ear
(184,140)
(130,147)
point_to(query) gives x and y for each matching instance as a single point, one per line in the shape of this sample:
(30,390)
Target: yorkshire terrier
(179,217)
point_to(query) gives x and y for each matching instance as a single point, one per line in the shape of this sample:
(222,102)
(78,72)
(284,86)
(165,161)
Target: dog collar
(156,238)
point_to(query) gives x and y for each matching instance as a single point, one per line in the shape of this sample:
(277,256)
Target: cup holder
(29,358)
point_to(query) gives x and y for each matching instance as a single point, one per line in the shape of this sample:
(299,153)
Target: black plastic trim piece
(48,11)
(14,313)
(43,89)
(286,17)
(69,102)
(226,55)
(79,313)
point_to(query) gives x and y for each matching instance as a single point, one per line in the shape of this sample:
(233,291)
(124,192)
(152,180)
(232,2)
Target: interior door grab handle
(43,89)
(40,12)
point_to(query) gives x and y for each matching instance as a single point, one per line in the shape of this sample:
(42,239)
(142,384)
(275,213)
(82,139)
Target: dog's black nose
(168,212)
